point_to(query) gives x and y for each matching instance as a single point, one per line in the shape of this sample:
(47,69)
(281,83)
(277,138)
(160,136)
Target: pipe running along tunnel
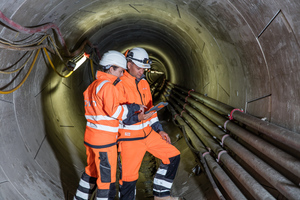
(233,54)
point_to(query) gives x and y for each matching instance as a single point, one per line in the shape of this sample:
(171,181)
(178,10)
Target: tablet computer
(157,107)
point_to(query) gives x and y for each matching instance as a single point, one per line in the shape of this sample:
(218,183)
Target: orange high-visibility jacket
(139,93)
(103,111)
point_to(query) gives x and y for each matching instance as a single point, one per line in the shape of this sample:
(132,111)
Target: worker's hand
(142,116)
(165,136)
(142,108)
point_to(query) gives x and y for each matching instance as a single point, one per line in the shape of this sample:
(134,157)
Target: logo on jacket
(90,103)
(127,134)
(144,88)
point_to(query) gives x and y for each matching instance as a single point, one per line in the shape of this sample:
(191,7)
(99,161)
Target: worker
(146,135)
(103,112)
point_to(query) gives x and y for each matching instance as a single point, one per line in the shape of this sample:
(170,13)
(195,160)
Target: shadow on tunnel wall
(61,163)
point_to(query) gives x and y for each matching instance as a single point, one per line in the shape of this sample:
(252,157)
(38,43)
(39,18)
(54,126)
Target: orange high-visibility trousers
(100,173)
(132,153)
(102,163)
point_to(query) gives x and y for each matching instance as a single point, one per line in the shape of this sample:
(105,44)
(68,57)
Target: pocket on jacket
(105,168)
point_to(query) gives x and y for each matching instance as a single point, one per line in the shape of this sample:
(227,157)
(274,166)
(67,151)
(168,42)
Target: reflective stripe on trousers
(87,186)
(164,177)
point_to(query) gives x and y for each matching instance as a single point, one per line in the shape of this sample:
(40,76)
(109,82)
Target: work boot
(168,198)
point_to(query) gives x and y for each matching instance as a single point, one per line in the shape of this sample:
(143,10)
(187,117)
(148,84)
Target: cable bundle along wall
(253,164)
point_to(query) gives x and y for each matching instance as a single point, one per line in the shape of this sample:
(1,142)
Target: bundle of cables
(38,40)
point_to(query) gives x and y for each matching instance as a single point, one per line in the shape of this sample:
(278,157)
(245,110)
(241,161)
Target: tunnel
(239,55)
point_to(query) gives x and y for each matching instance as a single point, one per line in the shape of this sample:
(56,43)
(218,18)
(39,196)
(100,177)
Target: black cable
(185,137)
(202,160)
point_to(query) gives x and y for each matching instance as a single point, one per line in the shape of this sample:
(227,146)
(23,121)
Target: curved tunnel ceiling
(233,51)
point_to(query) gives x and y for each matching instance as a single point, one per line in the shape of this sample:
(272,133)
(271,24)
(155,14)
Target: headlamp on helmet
(139,57)
(144,61)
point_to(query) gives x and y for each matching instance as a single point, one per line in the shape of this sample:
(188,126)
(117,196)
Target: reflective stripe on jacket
(139,93)
(103,110)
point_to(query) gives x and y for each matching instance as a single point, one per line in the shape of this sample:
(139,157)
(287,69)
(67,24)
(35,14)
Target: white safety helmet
(140,57)
(113,58)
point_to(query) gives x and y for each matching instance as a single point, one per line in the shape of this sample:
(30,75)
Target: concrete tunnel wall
(220,48)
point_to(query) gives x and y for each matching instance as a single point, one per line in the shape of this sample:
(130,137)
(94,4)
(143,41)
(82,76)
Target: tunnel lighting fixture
(77,61)
(156,72)
(153,72)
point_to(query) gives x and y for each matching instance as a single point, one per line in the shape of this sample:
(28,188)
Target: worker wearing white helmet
(139,57)
(103,112)
(146,135)
(113,62)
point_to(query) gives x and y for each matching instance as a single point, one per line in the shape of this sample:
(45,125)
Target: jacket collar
(126,74)
(103,75)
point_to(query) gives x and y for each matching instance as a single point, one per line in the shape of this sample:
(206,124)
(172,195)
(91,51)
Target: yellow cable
(25,45)
(26,76)
(66,76)
(92,69)
(5,72)
(32,64)
(55,48)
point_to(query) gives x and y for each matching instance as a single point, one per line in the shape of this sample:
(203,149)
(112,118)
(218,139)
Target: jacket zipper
(139,92)
(142,102)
